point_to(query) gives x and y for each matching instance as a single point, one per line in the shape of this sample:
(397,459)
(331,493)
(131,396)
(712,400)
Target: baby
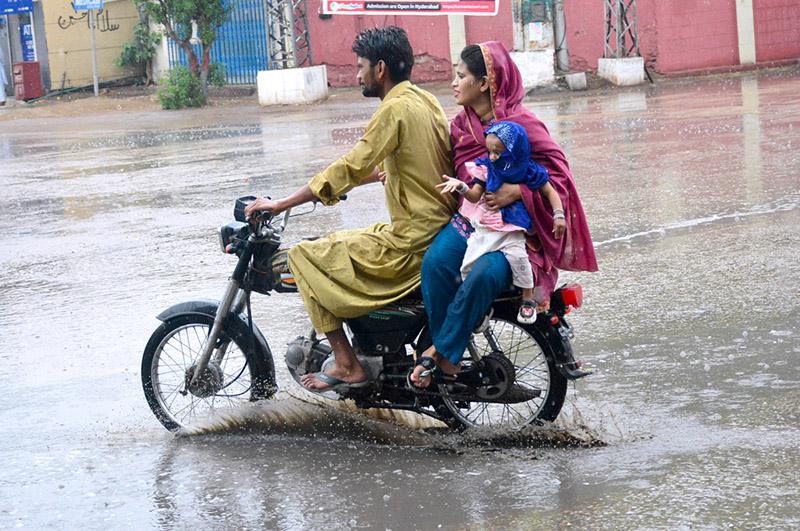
(508,161)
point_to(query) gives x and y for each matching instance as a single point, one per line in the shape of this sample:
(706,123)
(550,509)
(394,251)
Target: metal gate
(241,45)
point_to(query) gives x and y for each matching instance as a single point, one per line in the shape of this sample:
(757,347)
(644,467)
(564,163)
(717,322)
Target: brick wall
(332,39)
(687,34)
(777,26)
(496,28)
(695,34)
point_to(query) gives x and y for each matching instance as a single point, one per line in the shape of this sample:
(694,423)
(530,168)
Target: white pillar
(161,56)
(747,32)
(458,36)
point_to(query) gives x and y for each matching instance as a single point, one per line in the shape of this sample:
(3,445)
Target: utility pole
(560,34)
(90,6)
(622,35)
(287,28)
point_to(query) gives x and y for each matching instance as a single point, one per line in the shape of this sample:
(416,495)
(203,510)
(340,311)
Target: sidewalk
(138,99)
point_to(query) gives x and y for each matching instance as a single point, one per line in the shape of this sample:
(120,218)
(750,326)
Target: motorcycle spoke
(532,376)
(176,356)
(533,373)
(539,357)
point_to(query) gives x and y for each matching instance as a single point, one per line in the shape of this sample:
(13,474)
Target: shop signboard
(9,7)
(26,38)
(83,5)
(404,7)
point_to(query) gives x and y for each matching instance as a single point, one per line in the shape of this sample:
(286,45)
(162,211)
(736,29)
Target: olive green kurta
(351,273)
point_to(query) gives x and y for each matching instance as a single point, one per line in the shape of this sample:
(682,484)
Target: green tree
(177,16)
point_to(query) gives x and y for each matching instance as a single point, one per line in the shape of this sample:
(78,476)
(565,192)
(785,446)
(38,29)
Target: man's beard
(370,92)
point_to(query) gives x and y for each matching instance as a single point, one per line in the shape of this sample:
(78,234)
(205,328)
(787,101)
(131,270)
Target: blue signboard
(26,36)
(82,5)
(7,7)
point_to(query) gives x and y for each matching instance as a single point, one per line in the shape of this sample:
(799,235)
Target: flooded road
(692,190)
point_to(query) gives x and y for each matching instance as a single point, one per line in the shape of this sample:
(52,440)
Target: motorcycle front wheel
(528,349)
(239,371)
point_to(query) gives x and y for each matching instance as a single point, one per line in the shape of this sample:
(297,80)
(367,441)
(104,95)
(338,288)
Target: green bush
(184,89)
(140,52)
(216,74)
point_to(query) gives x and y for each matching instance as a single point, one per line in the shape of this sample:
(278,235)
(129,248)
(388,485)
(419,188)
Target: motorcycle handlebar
(242,202)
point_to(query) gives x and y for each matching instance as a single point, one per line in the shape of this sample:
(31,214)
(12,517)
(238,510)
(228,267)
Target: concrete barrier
(622,71)
(292,85)
(576,81)
(536,67)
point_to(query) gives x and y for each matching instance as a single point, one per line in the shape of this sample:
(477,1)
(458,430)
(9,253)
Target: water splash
(316,417)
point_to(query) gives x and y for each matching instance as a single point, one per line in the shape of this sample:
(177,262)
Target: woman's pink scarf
(574,251)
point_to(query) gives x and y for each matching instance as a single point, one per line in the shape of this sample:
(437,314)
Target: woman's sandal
(429,365)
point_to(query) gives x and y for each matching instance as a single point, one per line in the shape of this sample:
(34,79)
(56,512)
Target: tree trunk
(204,69)
(194,63)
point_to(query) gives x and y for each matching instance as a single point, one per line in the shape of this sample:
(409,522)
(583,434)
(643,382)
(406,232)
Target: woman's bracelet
(463,189)
(558,213)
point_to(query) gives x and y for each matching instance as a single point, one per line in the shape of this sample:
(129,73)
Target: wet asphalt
(691,188)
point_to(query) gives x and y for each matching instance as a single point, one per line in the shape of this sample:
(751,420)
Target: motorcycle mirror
(238,209)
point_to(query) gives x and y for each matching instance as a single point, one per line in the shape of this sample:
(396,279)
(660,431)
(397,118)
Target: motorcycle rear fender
(208,307)
(562,351)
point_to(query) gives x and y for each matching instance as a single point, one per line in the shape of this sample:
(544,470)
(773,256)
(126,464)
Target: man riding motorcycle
(350,273)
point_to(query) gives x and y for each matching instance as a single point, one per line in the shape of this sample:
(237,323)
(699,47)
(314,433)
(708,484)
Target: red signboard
(405,7)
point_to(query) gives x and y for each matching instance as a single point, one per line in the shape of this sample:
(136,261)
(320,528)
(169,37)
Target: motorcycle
(209,354)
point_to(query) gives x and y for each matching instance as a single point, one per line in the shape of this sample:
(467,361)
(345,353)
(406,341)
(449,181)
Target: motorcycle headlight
(228,232)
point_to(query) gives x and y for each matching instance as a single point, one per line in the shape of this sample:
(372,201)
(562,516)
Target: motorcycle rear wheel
(175,346)
(532,356)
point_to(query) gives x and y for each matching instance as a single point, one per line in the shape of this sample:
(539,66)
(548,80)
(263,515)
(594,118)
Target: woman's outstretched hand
(450,185)
(559,227)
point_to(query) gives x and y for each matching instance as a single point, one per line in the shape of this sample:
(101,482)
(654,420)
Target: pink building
(332,39)
(675,36)
(686,35)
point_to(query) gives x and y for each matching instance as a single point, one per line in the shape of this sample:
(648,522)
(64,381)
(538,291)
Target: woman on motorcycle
(489,86)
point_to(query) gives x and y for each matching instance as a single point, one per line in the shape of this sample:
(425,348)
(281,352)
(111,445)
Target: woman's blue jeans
(454,308)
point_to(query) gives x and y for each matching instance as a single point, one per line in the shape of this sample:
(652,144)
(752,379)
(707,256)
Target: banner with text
(404,7)
(86,5)
(8,7)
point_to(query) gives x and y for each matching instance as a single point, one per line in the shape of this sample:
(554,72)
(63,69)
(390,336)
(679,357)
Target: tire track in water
(688,223)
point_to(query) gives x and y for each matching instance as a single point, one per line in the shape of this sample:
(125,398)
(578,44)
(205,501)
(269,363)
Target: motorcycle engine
(304,356)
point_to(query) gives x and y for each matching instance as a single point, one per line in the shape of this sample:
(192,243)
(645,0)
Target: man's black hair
(472,56)
(389,44)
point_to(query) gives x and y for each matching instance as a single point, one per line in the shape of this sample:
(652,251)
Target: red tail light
(572,295)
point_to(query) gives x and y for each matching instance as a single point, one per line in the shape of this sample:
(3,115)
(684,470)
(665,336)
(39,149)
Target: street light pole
(94,53)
